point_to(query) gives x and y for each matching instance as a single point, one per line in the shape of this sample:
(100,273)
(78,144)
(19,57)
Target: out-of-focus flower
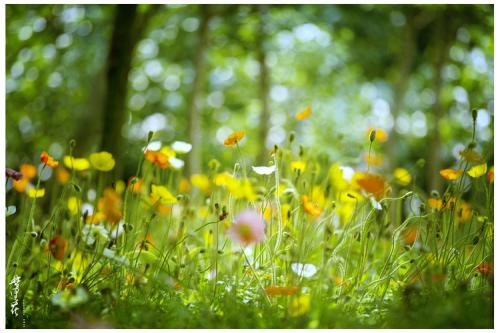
(176,163)
(435,203)
(110,205)
(371,183)
(464,211)
(281,290)
(451,174)
(304,114)
(62,175)
(310,208)
(491,175)
(102,161)
(478,170)
(248,228)
(181,147)
(74,204)
(157,158)
(234,138)
(380,134)
(48,160)
(36,193)
(485,268)
(402,176)
(135,184)
(304,270)
(69,298)
(300,305)
(58,246)
(29,172)
(471,156)
(202,182)
(410,235)
(298,166)
(264,170)
(92,232)
(77,164)
(184,185)
(162,194)
(373,159)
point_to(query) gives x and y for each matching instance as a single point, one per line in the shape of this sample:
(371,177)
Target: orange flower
(410,235)
(48,160)
(28,170)
(435,203)
(157,158)
(380,134)
(485,268)
(184,185)
(281,291)
(58,247)
(451,174)
(135,184)
(373,184)
(491,175)
(234,138)
(304,114)
(110,205)
(310,207)
(62,175)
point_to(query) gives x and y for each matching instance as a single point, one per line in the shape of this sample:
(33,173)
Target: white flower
(375,204)
(108,253)
(176,163)
(304,270)
(181,147)
(117,232)
(153,145)
(67,299)
(91,231)
(264,170)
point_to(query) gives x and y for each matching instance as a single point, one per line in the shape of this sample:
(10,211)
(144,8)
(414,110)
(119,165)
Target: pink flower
(248,228)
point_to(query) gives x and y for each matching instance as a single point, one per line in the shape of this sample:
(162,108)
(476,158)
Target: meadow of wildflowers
(298,242)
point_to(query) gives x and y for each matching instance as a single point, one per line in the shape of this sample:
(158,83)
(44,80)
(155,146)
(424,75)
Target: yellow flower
(161,193)
(48,160)
(102,161)
(300,305)
(168,152)
(402,176)
(451,174)
(73,205)
(310,208)
(318,196)
(184,185)
(34,193)
(78,164)
(298,166)
(62,175)
(234,138)
(201,181)
(478,170)
(304,113)
(435,203)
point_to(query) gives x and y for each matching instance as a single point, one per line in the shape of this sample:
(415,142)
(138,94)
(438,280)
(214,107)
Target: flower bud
(474,115)
(373,133)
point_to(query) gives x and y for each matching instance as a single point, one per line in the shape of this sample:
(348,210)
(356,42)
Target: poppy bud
(150,136)
(474,114)
(72,143)
(373,133)
(291,137)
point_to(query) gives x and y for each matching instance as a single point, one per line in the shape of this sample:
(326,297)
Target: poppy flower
(58,246)
(62,175)
(491,175)
(451,174)
(304,113)
(48,160)
(281,290)
(157,158)
(373,184)
(77,164)
(300,305)
(248,228)
(435,203)
(162,194)
(36,193)
(410,235)
(310,208)
(478,170)
(110,205)
(485,268)
(181,147)
(135,184)
(298,166)
(234,138)
(402,176)
(102,161)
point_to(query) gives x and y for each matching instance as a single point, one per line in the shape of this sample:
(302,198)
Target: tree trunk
(263,86)
(194,107)
(443,36)
(118,67)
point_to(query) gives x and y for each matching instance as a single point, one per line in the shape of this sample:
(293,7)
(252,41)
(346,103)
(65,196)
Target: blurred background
(105,75)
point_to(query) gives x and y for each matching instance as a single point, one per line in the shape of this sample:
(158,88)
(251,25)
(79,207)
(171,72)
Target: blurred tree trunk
(443,33)
(129,25)
(263,85)
(194,104)
(118,67)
